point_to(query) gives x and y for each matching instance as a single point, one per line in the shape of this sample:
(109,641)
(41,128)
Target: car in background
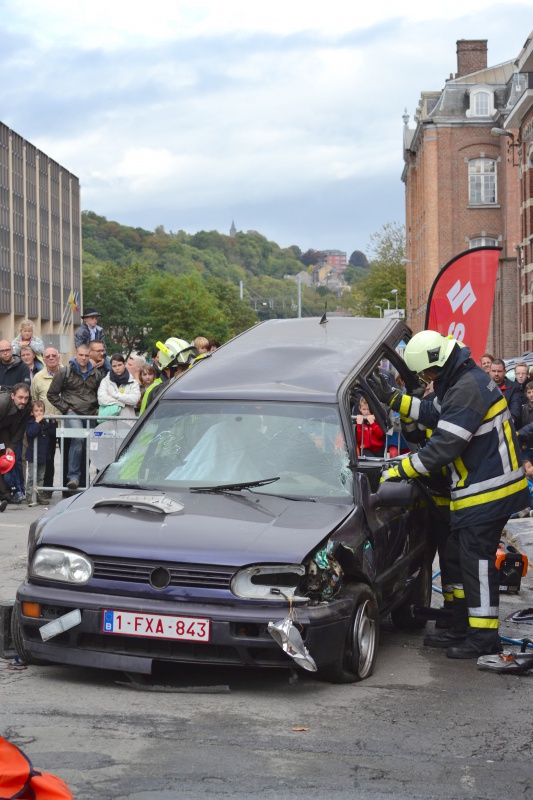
(237,524)
(510,364)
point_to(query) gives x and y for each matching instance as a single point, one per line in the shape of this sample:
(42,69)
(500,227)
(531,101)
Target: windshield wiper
(130,485)
(233,487)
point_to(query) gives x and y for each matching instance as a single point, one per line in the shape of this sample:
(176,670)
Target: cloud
(118,23)
(284,114)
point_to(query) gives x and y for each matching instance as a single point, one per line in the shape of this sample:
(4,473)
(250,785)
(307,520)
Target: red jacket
(369,436)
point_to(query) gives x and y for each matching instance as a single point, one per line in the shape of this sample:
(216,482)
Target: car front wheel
(18,641)
(358,657)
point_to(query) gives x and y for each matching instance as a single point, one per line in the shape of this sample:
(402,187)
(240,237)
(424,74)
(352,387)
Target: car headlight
(61,565)
(272,582)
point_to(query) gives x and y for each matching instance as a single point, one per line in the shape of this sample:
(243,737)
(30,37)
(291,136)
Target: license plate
(156,626)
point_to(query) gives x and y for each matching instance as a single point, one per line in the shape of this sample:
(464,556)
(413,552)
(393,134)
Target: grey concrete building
(40,242)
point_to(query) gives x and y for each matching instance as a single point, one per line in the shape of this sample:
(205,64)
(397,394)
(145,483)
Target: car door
(398,534)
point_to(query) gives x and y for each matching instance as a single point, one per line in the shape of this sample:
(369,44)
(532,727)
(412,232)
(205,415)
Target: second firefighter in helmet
(175,355)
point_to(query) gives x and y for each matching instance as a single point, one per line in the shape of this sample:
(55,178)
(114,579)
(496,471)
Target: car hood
(226,529)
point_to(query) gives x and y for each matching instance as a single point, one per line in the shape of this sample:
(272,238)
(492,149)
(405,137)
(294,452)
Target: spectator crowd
(35,386)
(519,396)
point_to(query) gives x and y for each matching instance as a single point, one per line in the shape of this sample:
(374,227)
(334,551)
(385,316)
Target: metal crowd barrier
(102,436)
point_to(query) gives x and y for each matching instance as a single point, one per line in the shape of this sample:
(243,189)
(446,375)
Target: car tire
(420,595)
(358,657)
(18,641)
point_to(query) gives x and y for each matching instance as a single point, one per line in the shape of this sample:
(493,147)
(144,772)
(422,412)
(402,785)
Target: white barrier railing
(102,437)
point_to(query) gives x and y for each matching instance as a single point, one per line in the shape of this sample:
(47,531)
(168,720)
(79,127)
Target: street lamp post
(395,293)
(380,310)
(385,300)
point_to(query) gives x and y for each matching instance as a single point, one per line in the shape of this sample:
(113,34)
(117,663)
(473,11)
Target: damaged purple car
(238,524)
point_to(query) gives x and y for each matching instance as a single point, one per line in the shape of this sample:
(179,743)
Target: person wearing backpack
(74,392)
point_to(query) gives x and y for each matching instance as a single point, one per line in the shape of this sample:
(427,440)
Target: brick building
(335,258)
(40,241)
(461,187)
(519,125)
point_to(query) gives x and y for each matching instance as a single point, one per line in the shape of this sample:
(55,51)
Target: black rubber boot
(456,633)
(445,638)
(445,623)
(470,649)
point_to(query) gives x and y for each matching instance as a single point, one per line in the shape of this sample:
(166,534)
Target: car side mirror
(392,494)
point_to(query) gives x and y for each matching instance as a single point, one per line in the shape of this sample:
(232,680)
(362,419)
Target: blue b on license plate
(157,626)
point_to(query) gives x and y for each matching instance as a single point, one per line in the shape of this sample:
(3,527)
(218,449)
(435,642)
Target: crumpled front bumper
(239,633)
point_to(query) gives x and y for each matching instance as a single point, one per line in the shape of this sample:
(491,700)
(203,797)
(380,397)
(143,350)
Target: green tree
(117,293)
(311,257)
(317,300)
(358,259)
(354,274)
(183,306)
(386,272)
(239,314)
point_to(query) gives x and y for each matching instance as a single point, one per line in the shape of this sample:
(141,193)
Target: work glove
(381,387)
(419,391)
(391,473)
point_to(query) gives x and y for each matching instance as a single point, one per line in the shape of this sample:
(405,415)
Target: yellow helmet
(175,351)
(428,350)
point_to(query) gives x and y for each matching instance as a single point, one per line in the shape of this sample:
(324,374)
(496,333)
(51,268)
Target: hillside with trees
(149,285)
(385,271)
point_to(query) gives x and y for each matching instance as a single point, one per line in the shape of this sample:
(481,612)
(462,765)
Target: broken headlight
(268,582)
(324,575)
(54,564)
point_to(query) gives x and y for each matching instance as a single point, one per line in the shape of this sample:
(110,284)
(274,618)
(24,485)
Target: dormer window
(481,102)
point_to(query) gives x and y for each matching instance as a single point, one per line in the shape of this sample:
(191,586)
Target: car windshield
(188,445)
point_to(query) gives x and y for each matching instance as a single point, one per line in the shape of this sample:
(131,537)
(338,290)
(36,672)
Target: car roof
(288,359)
(527,358)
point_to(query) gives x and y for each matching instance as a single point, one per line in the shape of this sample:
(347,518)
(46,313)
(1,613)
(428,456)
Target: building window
(483,241)
(482,104)
(482,181)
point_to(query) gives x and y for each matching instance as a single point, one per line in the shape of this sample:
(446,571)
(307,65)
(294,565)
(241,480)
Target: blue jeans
(17,473)
(76,448)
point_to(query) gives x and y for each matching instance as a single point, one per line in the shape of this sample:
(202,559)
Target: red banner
(461,298)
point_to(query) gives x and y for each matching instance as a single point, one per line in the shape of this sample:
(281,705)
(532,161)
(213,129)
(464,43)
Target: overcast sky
(285,115)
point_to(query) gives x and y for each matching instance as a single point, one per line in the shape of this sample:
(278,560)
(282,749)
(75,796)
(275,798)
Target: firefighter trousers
(471,557)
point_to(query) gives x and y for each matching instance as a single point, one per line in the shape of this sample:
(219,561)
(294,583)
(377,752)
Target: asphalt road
(421,727)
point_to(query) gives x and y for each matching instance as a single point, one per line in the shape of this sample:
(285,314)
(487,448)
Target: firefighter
(474,435)
(175,357)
